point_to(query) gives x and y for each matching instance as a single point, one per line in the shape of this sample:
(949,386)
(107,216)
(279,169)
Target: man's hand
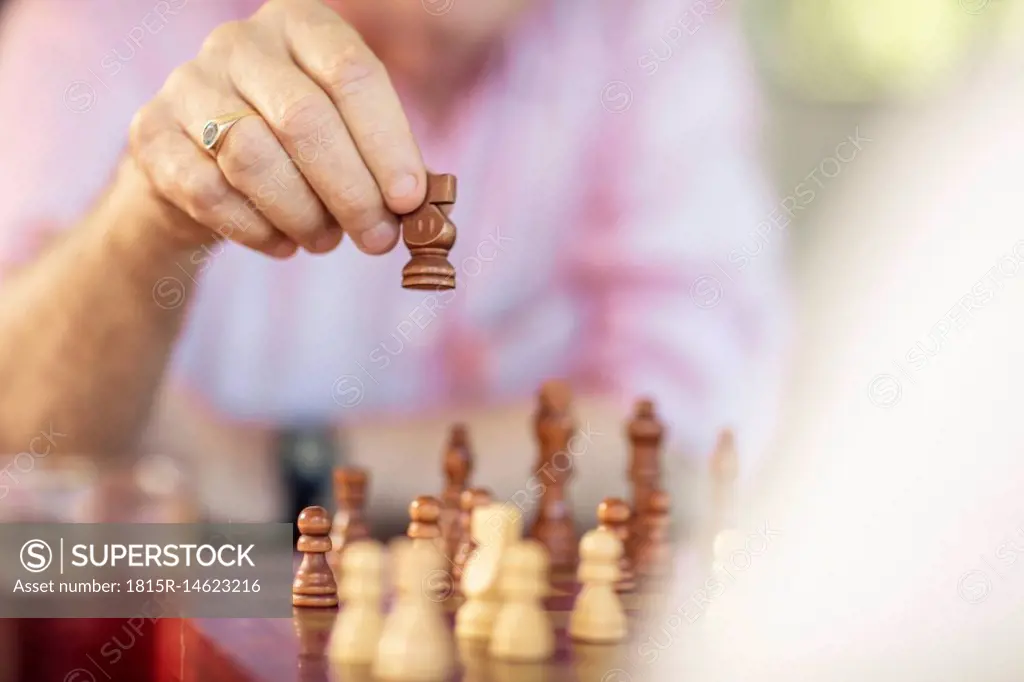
(329,153)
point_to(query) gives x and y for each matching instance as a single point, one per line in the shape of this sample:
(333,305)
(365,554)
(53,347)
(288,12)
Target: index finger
(334,55)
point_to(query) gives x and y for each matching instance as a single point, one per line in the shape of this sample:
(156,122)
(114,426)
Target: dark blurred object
(307,457)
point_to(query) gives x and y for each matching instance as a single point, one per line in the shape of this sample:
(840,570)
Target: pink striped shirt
(609,176)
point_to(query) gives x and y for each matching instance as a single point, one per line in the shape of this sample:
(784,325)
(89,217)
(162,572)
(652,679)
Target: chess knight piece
(429,235)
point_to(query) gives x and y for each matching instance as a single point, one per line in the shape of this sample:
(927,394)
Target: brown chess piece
(724,472)
(314,584)
(424,513)
(470,500)
(554,427)
(429,234)
(614,515)
(654,562)
(424,528)
(349,525)
(646,434)
(458,467)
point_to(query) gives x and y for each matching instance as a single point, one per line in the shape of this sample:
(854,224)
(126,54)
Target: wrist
(147,230)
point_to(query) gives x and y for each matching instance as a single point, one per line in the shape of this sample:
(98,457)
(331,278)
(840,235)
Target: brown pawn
(470,500)
(458,467)
(655,561)
(429,234)
(646,434)
(314,584)
(350,497)
(725,466)
(424,513)
(614,515)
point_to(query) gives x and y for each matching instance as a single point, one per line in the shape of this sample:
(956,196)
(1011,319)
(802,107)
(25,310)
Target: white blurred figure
(897,490)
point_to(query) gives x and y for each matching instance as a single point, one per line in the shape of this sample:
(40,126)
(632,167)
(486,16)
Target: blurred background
(835,73)
(832,72)
(834,66)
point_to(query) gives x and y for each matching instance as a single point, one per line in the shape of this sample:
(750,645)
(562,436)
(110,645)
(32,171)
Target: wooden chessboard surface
(293,650)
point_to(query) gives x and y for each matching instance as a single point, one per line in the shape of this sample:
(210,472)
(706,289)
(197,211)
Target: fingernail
(380,237)
(284,250)
(404,186)
(324,242)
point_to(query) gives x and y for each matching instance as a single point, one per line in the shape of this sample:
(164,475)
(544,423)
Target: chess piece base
(475,620)
(429,270)
(324,601)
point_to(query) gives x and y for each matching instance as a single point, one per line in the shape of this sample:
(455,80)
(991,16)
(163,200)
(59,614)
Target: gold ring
(215,129)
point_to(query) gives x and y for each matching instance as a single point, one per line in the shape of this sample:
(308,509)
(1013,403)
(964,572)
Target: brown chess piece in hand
(613,514)
(314,584)
(429,235)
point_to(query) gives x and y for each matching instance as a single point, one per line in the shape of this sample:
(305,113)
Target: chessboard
(562,607)
(296,650)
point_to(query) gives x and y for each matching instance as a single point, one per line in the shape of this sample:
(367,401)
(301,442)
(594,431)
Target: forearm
(85,331)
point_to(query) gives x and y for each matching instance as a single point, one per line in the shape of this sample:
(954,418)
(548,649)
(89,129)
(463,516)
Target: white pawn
(598,616)
(357,630)
(416,644)
(494,528)
(522,629)
(726,544)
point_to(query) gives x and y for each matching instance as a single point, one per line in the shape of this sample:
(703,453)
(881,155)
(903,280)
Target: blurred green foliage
(863,50)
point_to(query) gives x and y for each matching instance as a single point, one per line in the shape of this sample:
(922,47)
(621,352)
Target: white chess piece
(726,543)
(494,527)
(522,629)
(358,627)
(598,616)
(416,644)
